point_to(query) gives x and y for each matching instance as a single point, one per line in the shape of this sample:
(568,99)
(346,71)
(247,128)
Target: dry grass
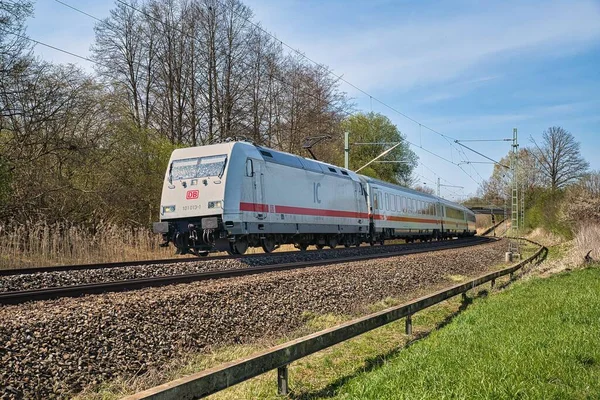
(545,238)
(43,244)
(567,255)
(482,221)
(587,238)
(40,243)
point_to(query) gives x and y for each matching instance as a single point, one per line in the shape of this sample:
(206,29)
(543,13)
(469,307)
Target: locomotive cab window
(198,167)
(344,173)
(332,170)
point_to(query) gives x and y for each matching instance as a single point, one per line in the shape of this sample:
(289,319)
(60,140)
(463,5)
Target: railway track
(22,296)
(166,261)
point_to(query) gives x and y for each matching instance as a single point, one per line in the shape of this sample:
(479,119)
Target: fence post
(282,380)
(409,324)
(493,283)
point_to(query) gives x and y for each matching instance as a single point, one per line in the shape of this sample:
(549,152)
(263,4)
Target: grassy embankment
(537,340)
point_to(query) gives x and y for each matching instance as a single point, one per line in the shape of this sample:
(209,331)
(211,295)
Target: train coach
(235,195)
(399,212)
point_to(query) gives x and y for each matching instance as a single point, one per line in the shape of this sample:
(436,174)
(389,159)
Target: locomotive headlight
(215,204)
(168,209)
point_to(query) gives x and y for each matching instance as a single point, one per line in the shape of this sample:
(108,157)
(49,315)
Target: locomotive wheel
(301,246)
(332,242)
(232,250)
(268,244)
(239,246)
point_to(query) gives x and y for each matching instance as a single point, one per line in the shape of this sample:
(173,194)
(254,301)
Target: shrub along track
(16,289)
(56,348)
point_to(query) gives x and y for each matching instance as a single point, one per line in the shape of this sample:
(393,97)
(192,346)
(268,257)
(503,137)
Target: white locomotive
(235,195)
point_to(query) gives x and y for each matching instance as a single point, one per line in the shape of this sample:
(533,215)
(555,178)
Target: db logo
(192,194)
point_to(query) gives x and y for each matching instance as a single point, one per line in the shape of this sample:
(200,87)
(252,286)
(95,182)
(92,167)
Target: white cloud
(456,89)
(535,113)
(424,52)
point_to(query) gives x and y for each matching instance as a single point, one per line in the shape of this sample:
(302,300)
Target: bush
(582,202)
(545,212)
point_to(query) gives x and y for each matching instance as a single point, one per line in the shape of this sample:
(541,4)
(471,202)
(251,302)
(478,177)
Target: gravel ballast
(56,348)
(85,276)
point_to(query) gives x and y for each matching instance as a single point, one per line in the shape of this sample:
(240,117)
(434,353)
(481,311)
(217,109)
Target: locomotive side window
(249,167)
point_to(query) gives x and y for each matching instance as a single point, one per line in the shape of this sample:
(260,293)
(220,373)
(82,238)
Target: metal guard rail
(221,377)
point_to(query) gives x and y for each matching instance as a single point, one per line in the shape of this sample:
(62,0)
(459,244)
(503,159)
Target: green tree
(379,130)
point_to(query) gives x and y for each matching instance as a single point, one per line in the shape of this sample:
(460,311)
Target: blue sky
(468,69)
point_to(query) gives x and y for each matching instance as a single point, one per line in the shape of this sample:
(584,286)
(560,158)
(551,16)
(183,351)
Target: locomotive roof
(292,160)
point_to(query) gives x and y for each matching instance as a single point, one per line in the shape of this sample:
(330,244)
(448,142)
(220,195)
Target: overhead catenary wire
(96,62)
(341,78)
(280,79)
(421,125)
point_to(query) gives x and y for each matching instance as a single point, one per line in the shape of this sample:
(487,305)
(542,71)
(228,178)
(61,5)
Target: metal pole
(282,380)
(438,187)
(346,150)
(379,156)
(409,324)
(514,243)
(523,207)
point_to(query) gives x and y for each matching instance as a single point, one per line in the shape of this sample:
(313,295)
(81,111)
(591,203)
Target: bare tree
(424,189)
(125,52)
(559,157)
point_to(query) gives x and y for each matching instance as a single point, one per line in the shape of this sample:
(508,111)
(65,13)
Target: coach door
(359,199)
(258,194)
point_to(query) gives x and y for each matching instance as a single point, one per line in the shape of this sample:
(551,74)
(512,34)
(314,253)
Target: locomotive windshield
(198,167)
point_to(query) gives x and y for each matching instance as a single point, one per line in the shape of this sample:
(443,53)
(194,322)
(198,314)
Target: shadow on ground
(373,363)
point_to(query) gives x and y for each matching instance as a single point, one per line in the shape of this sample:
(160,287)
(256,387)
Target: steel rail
(141,263)
(22,296)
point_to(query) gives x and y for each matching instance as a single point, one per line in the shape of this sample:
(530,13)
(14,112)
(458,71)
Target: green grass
(538,340)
